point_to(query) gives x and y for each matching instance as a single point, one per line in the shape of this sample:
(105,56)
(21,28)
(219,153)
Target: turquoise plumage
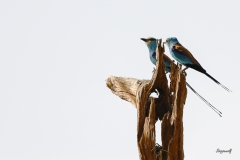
(183,56)
(152,46)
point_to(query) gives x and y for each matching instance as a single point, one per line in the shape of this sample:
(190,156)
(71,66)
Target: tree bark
(168,107)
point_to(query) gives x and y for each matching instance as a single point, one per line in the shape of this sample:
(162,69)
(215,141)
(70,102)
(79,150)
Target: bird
(152,46)
(183,56)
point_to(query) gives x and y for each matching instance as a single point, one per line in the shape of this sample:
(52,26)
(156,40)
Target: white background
(56,55)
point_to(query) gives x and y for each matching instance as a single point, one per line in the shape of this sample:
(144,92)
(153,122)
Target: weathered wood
(159,82)
(172,124)
(146,134)
(168,107)
(125,88)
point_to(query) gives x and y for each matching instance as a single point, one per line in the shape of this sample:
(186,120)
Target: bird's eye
(152,39)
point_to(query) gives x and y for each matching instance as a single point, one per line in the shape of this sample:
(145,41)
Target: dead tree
(168,108)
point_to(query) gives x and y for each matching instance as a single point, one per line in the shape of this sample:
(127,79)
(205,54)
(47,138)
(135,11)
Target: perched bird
(152,46)
(183,56)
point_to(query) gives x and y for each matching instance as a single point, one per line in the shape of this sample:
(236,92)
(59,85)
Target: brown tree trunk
(168,107)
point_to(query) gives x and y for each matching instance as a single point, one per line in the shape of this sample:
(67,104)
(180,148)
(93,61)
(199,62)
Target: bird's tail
(211,106)
(217,82)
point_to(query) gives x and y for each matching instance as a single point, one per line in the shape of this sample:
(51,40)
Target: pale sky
(56,55)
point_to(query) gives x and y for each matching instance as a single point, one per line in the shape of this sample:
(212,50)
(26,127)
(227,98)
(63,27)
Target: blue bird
(183,56)
(152,46)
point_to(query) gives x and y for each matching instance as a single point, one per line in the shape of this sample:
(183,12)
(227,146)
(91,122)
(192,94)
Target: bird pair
(184,57)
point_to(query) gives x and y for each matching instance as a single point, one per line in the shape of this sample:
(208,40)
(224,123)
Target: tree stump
(168,107)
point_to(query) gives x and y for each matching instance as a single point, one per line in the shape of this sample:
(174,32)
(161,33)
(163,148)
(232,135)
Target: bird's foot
(184,69)
(184,73)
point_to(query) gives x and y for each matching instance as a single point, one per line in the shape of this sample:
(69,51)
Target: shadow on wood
(168,107)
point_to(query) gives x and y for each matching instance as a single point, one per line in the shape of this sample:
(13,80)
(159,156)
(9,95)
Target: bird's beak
(145,40)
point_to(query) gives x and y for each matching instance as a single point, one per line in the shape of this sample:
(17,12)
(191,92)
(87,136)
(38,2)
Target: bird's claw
(184,73)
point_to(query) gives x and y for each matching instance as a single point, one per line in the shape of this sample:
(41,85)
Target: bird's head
(171,41)
(151,43)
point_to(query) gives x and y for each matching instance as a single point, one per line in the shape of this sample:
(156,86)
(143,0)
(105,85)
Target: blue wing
(153,58)
(180,56)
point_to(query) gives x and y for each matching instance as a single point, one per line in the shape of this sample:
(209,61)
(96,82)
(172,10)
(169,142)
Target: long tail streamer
(209,104)
(217,82)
